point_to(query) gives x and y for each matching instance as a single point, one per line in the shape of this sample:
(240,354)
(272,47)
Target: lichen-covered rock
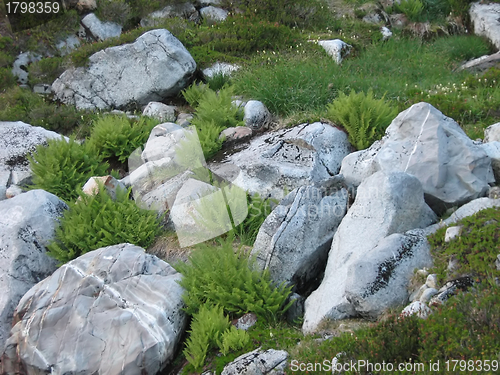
(294,240)
(27,224)
(101,30)
(425,143)
(366,271)
(486,21)
(258,362)
(17,141)
(256,115)
(115,310)
(155,66)
(307,154)
(214,14)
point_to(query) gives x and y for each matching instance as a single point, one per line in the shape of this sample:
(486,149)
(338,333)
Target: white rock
(492,133)
(336,48)
(160,111)
(452,233)
(386,33)
(101,30)
(214,14)
(182,10)
(428,294)
(484,17)
(68,45)
(163,141)
(20,66)
(418,308)
(110,184)
(432,281)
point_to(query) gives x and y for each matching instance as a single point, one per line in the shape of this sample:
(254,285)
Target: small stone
(417,308)
(418,293)
(256,114)
(386,33)
(110,183)
(497,262)
(42,89)
(214,14)
(246,322)
(12,191)
(428,294)
(238,133)
(160,111)
(494,192)
(432,281)
(336,48)
(452,233)
(184,119)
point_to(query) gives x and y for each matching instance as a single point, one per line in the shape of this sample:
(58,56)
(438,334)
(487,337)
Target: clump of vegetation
(364,117)
(216,275)
(46,70)
(95,221)
(62,167)
(258,209)
(411,8)
(118,136)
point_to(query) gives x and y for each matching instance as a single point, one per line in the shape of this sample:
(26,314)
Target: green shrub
(62,167)
(475,250)
(219,276)
(7,79)
(466,328)
(117,136)
(117,11)
(233,339)
(46,70)
(97,220)
(364,117)
(411,8)
(194,93)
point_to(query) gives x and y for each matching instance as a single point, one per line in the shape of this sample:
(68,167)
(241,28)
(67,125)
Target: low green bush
(62,167)
(118,136)
(7,79)
(95,221)
(411,8)
(46,70)
(216,275)
(364,117)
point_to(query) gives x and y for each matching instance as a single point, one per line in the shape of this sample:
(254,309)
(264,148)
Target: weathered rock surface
(386,204)
(256,115)
(289,158)
(155,66)
(258,362)
(482,63)
(100,30)
(492,149)
(294,240)
(214,14)
(110,184)
(492,133)
(417,308)
(20,66)
(236,134)
(486,21)
(182,10)
(115,310)
(423,142)
(17,140)
(27,224)
(162,142)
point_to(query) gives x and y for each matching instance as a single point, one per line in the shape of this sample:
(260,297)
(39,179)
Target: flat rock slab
(155,66)
(115,310)
(258,362)
(307,154)
(27,224)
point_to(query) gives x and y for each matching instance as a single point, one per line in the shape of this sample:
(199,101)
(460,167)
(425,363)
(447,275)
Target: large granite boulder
(307,154)
(114,310)
(27,224)
(425,143)
(294,240)
(155,66)
(386,204)
(17,141)
(486,21)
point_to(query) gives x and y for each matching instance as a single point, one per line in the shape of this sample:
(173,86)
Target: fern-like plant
(62,167)
(219,276)
(411,8)
(194,93)
(364,117)
(96,221)
(117,136)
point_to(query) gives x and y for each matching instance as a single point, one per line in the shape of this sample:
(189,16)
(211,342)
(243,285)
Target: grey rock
(42,89)
(236,134)
(336,48)
(81,5)
(208,2)
(17,141)
(214,14)
(482,63)
(163,141)
(367,272)
(160,111)
(432,281)
(485,18)
(307,154)
(110,184)
(294,240)
(494,192)
(417,308)
(68,45)
(256,115)
(182,10)
(423,142)
(20,66)
(220,68)
(118,307)
(12,191)
(184,119)
(155,66)
(428,294)
(296,311)
(246,322)
(386,33)
(27,224)
(101,30)
(258,362)
(492,149)
(492,133)
(415,296)
(497,262)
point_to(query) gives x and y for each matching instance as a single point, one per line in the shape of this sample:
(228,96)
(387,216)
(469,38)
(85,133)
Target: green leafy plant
(411,8)
(7,79)
(219,276)
(118,136)
(194,93)
(62,167)
(95,221)
(364,117)
(232,339)
(46,70)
